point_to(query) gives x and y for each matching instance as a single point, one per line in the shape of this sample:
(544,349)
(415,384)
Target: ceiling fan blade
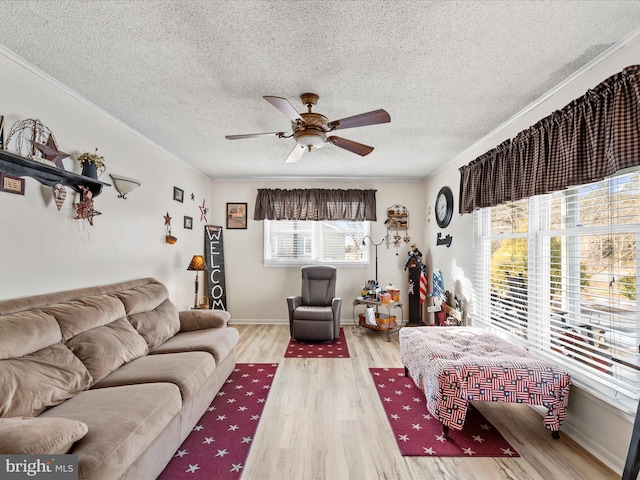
(350,145)
(252,135)
(285,107)
(369,118)
(295,154)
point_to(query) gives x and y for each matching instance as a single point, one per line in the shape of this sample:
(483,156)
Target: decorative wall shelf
(19,166)
(398,218)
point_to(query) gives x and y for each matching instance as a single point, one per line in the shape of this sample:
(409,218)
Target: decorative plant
(87,157)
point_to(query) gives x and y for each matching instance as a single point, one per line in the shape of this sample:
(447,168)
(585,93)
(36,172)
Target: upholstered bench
(458,365)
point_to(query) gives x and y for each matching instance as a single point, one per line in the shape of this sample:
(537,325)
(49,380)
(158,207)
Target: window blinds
(558,273)
(297,242)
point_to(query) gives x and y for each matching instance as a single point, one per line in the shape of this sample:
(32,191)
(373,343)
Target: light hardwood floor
(323,420)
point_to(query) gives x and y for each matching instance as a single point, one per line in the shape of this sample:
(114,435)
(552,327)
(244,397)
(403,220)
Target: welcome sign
(214,256)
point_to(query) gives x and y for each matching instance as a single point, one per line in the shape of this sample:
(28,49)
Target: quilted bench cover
(456,365)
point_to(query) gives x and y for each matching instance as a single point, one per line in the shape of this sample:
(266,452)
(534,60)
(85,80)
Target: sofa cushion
(219,342)
(27,332)
(157,325)
(122,422)
(33,382)
(39,435)
(84,314)
(104,349)
(188,370)
(143,298)
(151,312)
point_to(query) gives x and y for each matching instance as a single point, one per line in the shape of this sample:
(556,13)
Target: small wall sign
(11,184)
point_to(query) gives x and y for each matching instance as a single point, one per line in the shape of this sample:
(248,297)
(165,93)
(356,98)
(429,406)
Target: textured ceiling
(186,73)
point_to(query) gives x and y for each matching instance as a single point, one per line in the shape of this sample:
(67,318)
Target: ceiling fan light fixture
(310,138)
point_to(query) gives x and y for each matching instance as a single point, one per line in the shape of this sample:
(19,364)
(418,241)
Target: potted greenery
(92,164)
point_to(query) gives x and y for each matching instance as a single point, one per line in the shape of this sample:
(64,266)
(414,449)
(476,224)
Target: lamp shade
(197,263)
(124,185)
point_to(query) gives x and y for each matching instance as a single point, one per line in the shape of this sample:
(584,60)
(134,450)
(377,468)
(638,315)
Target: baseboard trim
(572,431)
(277,321)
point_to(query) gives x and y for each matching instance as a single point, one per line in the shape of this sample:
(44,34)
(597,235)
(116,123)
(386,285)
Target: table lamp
(198,264)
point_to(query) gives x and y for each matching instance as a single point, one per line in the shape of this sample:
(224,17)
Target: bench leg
(445,431)
(555,434)
(406,372)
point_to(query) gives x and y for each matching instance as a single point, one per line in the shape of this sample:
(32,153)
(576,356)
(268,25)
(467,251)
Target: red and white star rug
(335,349)
(219,444)
(418,433)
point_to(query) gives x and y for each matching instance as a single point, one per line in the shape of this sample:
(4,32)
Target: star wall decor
(193,197)
(203,212)
(167,219)
(51,152)
(84,208)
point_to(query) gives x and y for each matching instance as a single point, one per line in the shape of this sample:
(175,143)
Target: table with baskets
(385,323)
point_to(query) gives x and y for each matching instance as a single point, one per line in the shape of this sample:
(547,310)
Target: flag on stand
(423,287)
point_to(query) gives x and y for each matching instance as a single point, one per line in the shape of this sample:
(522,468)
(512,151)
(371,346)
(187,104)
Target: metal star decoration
(203,212)
(193,197)
(167,219)
(51,152)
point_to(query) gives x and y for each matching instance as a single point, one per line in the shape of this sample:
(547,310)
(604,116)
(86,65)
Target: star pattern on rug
(334,349)
(418,433)
(219,444)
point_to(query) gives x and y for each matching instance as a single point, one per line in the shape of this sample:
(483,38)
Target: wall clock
(444,207)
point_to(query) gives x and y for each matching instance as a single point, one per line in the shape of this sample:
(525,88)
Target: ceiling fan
(310,129)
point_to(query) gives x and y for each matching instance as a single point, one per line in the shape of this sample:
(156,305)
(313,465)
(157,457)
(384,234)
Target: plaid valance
(315,204)
(591,138)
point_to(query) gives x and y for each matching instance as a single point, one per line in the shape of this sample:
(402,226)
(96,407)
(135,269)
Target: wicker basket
(385,322)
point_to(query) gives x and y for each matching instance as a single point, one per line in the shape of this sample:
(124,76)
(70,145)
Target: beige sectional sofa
(114,374)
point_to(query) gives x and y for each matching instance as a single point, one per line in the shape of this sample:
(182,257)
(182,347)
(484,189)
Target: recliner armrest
(293,302)
(336,303)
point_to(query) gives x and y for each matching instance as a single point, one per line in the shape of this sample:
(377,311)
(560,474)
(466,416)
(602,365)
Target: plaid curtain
(315,204)
(589,139)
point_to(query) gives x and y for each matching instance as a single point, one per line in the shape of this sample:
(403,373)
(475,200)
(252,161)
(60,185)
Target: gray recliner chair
(314,316)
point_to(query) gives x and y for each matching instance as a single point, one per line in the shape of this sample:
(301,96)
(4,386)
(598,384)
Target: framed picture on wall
(178,194)
(236,215)
(11,184)
(188,223)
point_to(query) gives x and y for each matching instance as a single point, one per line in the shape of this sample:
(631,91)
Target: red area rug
(219,444)
(335,349)
(420,434)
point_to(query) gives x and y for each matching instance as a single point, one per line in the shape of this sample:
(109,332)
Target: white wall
(599,427)
(257,294)
(44,250)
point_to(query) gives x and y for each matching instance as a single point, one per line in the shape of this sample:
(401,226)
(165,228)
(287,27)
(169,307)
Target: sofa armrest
(200,319)
(39,435)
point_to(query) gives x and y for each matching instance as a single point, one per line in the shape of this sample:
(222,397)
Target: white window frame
(621,386)
(312,248)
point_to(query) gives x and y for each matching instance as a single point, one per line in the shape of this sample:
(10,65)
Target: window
(558,274)
(298,242)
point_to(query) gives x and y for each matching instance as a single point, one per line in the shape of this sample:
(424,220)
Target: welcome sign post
(214,256)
